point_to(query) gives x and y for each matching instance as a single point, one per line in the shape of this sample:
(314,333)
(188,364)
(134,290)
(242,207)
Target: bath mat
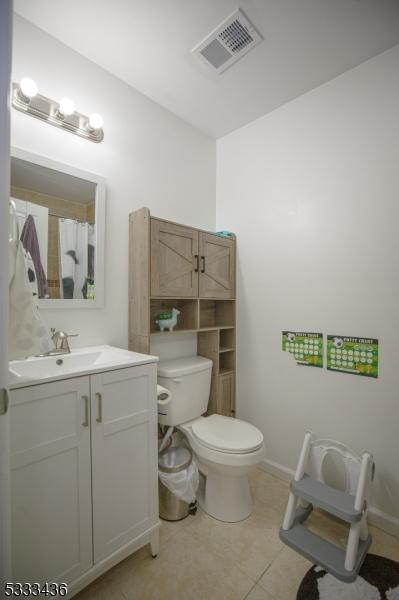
(378,580)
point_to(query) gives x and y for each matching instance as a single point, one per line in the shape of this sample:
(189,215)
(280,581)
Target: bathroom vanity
(83,463)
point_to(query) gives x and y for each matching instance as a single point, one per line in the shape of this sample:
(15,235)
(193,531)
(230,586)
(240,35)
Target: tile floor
(203,559)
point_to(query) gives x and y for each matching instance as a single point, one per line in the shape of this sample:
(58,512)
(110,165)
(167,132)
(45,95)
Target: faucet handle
(60,339)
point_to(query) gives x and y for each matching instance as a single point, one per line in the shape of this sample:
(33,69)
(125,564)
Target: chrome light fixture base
(45,109)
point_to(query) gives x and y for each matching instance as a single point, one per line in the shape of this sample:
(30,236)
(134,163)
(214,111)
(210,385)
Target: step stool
(350,506)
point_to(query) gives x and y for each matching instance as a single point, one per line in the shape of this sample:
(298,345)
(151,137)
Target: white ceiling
(147,44)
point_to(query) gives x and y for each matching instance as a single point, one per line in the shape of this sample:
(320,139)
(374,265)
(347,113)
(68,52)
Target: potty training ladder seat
(350,506)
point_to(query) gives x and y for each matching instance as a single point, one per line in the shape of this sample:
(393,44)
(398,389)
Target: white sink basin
(79,362)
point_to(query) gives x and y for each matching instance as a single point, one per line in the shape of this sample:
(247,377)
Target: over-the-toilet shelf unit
(173,265)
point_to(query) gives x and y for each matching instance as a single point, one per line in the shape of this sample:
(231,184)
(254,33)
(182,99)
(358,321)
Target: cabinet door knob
(203,264)
(100,407)
(86,421)
(196,269)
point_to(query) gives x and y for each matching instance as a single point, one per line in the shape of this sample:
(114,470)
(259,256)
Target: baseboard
(376,516)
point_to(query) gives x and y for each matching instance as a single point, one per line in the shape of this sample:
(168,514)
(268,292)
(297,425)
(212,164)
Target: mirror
(60,217)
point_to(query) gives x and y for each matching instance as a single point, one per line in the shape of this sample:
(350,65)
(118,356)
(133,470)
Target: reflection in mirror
(56,214)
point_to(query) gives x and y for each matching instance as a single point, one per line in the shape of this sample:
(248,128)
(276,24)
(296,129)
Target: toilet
(226,450)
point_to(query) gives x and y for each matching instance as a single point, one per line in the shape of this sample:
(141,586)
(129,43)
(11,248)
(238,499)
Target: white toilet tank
(189,381)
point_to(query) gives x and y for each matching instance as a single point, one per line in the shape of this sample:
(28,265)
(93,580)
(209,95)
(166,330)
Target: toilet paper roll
(164,396)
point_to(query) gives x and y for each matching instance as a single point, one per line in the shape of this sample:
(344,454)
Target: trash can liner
(166,438)
(183,484)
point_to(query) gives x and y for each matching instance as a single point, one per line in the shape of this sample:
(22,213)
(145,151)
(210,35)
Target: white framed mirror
(61,221)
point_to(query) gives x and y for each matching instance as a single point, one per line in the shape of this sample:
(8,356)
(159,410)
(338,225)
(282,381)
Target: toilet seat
(227,435)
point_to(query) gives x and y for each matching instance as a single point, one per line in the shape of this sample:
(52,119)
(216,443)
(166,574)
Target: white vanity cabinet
(83,474)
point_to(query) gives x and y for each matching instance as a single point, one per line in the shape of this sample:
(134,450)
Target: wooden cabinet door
(174,260)
(51,481)
(124,456)
(217,266)
(225,402)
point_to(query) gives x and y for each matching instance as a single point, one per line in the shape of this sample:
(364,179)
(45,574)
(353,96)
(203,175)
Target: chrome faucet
(61,341)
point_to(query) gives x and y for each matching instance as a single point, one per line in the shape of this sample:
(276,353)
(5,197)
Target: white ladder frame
(359,530)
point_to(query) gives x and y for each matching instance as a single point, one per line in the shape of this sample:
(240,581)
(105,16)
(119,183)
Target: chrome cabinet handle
(86,421)
(100,407)
(203,264)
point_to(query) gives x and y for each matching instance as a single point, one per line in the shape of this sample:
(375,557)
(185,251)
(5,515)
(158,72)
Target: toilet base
(227,499)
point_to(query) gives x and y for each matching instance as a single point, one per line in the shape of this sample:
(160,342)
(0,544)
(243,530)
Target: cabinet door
(217,266)
(124,456)
(174,260)
(225,403)
(51,481)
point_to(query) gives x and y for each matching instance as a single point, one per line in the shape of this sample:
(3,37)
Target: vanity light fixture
(66,108)
(62,114)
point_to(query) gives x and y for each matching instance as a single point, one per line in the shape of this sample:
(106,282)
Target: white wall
(149,157)
(312,192)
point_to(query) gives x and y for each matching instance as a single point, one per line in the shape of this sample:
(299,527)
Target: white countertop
(82,361)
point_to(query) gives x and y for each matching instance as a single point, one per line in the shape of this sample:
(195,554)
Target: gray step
(340,504)
(324,553)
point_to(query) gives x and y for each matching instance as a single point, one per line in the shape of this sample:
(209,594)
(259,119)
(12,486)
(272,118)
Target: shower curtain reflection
(77,249)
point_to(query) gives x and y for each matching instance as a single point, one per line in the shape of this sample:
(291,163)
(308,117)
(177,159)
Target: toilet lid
(227,434)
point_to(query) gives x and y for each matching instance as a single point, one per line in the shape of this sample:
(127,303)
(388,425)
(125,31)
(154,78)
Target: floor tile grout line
(269,565)
(252,588)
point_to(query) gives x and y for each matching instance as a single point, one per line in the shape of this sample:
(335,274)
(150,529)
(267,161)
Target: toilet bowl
(226,449)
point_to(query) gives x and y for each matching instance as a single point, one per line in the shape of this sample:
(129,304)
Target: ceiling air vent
(228,42)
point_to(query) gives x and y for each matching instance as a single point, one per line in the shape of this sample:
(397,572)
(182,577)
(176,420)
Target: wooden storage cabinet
(83,475)
(175,266)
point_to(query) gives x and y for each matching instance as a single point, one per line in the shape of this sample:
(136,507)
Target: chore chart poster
(305,347)
(356,355)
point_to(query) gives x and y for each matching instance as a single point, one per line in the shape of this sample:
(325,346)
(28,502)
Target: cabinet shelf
(222,350)
(226,362)
(187,320)
(223,371)
(217,313)
(182,330)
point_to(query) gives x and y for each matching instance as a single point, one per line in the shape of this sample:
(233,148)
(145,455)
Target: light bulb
(66,107)
(28,88)
(96,121)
